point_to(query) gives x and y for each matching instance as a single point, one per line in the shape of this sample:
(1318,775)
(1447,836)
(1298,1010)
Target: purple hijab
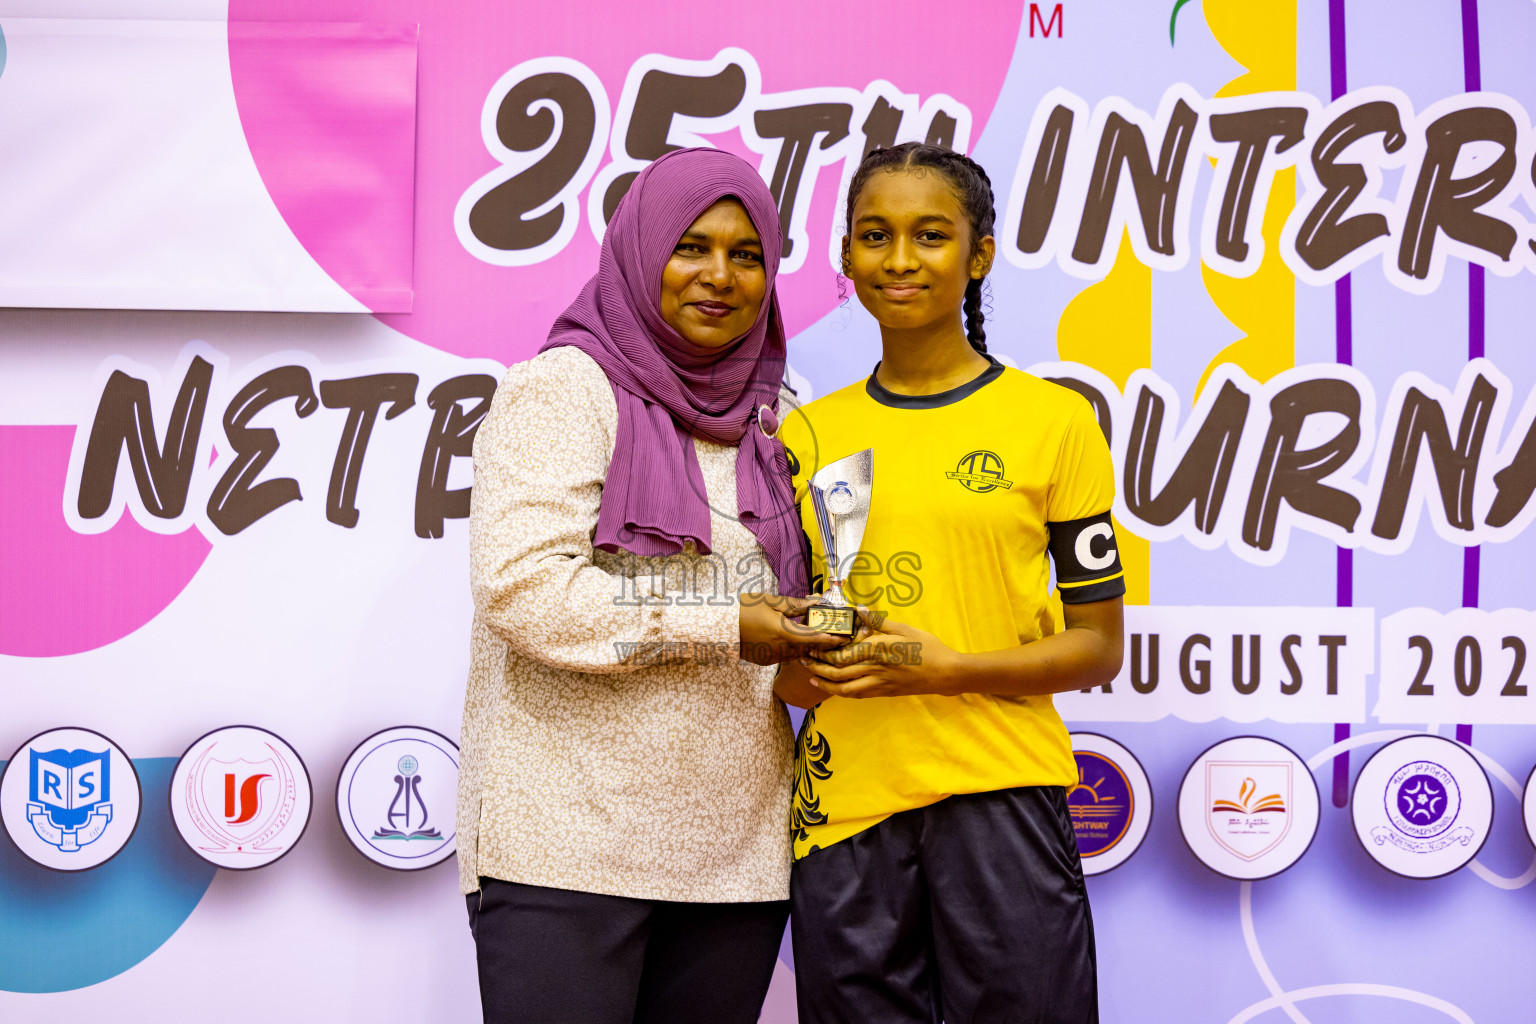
(667,388)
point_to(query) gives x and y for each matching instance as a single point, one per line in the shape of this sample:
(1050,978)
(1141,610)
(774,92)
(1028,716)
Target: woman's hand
(885,659)
(769,633)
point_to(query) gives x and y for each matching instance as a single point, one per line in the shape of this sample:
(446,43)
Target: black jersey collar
(885,397)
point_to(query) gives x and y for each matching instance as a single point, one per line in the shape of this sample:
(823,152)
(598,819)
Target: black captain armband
(1087,559)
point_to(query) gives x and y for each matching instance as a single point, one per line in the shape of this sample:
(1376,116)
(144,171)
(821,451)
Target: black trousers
(554,956)
(968,911)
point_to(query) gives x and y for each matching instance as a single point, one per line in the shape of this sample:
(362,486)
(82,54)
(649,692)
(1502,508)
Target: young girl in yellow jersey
(937,877)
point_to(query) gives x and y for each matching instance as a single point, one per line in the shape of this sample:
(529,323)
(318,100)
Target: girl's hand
(793,686)
(885,659)
(770,634)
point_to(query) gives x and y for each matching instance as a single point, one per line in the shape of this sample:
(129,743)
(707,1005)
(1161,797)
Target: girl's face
(910,255)
(714,285)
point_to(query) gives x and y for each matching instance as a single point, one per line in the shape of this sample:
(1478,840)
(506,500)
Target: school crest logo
(1100,804)
(1249,808)
(980,471)
(407,802)
(70,796)
(1422,802)
(1422,806)
(69,799)
(396,797)
(1110,804)
(240,797)
(1249,802)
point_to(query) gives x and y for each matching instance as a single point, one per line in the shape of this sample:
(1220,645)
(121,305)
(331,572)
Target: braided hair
(972,188)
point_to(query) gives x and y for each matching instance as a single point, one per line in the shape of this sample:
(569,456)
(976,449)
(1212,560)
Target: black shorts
(968,911)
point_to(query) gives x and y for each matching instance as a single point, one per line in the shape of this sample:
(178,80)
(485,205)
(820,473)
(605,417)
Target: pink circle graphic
(66,592)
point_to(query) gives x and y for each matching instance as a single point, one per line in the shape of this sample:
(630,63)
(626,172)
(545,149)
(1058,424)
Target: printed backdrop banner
(196,165)
(267,259)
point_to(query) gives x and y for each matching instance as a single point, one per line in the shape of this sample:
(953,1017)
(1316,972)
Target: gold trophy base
(826,618)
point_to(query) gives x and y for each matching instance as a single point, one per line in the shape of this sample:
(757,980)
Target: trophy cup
(839,493)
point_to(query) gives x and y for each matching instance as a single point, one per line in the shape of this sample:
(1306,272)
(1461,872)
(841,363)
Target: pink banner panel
(329,113)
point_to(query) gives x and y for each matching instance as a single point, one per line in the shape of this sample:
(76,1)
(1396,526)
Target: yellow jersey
(971,490)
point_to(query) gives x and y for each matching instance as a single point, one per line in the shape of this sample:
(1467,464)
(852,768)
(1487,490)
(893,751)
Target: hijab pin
(767,421)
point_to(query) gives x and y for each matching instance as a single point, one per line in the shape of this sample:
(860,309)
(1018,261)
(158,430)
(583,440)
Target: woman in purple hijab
(637,564)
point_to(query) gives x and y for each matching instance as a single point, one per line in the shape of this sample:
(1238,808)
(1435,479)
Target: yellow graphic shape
(1262,38)
(1108,326)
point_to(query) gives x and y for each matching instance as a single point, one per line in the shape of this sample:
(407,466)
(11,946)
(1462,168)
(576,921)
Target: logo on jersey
(396,797)
(1248,807)
(69,799)
(793,461)
(980,471)
(1422,806)
(240,797)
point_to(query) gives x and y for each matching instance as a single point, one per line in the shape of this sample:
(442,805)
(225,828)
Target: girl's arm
(899,660)
(794,686)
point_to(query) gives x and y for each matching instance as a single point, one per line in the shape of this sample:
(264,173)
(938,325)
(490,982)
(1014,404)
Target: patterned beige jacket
(609,744)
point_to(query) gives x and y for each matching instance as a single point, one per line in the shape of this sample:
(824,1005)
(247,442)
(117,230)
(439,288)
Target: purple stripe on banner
(1341,768)
(1471,573)
(1345,572)
(1343,321)
(1475,292)
(1344,352)
(1344,577)
(1470,49)
(1471,566)
(1338,66)
(1472,64)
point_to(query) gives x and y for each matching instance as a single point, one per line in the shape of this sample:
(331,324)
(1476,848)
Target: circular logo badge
(840,499)
(1422,806)
(1528,806)
(1111,803)
(69,799)
(980,471)
(1423,799)
(240,797)
(1248,808)
(396,797)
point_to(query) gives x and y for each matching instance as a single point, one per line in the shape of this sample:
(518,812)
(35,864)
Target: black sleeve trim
(1087,559)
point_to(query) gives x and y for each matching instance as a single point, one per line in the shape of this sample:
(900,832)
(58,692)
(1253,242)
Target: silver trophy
(839,494)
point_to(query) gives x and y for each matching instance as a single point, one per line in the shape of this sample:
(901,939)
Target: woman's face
(910,255)
(713,286)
